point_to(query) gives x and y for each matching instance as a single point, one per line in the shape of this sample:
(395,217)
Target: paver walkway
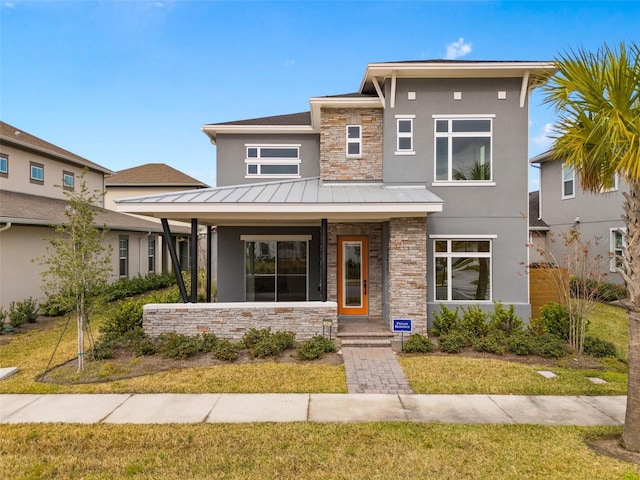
(374,370)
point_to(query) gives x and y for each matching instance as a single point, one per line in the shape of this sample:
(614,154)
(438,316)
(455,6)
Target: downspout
(7,226)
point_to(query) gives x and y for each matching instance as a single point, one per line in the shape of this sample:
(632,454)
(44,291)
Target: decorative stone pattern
(408,271)
(373,232)
(233,320)
(334,164)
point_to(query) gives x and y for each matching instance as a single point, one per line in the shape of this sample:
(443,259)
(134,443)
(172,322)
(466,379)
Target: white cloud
(9,4)
(543,139)
(458,49)
(289,63)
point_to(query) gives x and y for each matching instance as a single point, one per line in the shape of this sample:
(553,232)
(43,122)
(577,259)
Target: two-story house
(34,175)
(563,205)
(382,204)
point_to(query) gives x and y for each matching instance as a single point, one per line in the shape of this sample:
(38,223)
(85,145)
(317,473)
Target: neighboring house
(596,216)
(33,177)
(537,231)
(380,204)
(149,179)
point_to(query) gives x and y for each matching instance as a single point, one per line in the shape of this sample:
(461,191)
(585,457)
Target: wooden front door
(352,276)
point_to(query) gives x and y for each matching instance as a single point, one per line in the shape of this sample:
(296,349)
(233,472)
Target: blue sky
(124,83)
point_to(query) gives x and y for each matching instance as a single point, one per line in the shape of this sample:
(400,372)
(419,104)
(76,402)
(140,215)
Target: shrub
(126,317)
(208,342)
(55,305)
(597,347)
(453,342)
(610,292)
(140,342)
(255,336)
(521,343)
(128,287)
(3,317)
(417,343)
(178,346)
(271,345)
(315,347)
(554,319)
(23,312)
(505,320)
(474,322)
(550,346)
(225,350)
(445,322)
(103,349)
(493,343)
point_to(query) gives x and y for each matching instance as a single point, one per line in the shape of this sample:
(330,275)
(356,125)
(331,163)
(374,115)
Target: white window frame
(566,179)
(449,254)
(4,165)
(449,135)
(260,161)
(35,167)
(68,185)
(616,184)
(354,141)
(276,238)
(409,135)
(613,268)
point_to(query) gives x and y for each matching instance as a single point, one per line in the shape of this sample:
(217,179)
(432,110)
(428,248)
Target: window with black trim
(36,173)
(462,270)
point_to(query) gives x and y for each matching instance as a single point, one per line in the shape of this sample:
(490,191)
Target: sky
(124,83)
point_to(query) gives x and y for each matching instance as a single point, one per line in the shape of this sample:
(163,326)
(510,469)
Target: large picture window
(273,160)
(462,270)
(276,270)
(463,149)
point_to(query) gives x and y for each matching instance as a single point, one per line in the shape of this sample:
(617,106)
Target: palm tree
(597,97)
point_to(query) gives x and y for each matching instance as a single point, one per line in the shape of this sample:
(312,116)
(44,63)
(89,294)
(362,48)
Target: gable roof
(307,199)
(152,175)
(12,136)
(535,222)
(24,209)
(543,157)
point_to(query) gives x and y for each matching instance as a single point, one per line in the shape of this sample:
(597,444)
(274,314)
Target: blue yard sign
(401,325)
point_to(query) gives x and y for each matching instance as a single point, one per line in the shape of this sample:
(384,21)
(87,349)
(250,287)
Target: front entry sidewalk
(374,370)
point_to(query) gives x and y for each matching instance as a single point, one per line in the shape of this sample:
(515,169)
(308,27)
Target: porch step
(365,342)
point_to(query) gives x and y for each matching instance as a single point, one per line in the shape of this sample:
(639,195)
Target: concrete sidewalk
(343,408)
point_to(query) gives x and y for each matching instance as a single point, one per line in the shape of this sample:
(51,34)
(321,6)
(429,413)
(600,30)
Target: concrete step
(365,342)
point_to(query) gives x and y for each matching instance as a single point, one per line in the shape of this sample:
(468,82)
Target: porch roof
(288,201)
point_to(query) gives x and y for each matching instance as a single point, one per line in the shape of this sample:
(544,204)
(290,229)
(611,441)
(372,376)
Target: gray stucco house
(597,217)
(379,204)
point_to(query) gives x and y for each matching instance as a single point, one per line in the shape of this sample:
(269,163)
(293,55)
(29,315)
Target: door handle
(365,287)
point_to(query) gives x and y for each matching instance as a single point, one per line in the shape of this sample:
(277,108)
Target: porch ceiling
(289,201)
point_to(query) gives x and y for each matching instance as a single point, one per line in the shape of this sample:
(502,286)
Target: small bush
(446,321)
(610,292)
(273,344)
(493,343)
(550,346)
(23,312)
(3,317)
(225,350)
(505,320)
(453,342)
(554,319)
(127,317)
(55,305)
(521,343)
(597,347)
(140,342)
(178,346)
(315,347)
(103,349)
(474,322)
(417,343)
(208,342)
(255,336)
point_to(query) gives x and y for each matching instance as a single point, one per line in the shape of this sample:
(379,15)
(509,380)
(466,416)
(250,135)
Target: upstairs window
(615,178)
(404,125)
(273,161)
(68,180)
(37,173)
(354,141)
(463,150)
(4,165)
(568,182)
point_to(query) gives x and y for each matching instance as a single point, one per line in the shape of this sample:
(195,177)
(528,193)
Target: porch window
(276,270)
(462,270)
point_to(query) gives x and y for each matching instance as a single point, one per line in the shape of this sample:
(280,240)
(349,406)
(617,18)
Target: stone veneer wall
(373,232)
(232,320)
(408,271)
(334,164)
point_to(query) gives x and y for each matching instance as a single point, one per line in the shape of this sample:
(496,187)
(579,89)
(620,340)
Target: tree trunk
(631,275)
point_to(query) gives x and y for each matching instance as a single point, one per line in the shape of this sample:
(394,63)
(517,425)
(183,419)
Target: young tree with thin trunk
(78,261)
(597,98)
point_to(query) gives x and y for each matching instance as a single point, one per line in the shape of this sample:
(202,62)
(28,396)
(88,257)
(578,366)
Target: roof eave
(212,131)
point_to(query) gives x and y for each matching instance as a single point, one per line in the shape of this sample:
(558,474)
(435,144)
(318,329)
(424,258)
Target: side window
(68,180)
(4,165)
(152,254)
(463,149)
(123,256)
(37,173)
(354,141)
(568,182)
(404,130)
(616,243)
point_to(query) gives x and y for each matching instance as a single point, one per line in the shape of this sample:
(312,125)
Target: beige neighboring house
(154,179)
(33,174)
